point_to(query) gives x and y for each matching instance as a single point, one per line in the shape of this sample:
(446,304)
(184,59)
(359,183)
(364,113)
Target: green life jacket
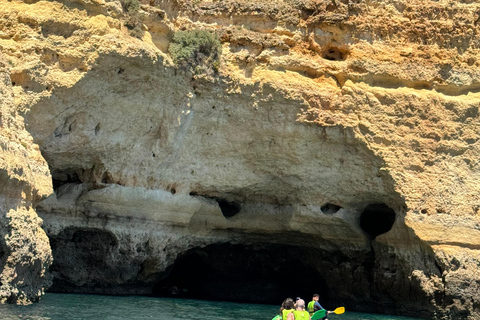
(301,315)
(285,313)
(311,307)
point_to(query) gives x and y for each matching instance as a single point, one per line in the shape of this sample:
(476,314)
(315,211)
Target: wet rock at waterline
(332,140)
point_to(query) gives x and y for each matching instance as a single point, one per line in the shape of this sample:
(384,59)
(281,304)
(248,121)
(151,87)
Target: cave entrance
(255,274)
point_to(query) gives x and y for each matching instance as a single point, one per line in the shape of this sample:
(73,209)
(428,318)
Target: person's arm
(291,316)
(317,306)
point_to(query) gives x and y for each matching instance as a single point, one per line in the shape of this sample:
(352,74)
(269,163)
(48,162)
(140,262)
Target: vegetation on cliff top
(196,50)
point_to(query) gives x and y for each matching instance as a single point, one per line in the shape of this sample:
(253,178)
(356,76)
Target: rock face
(25,253)
(336,151)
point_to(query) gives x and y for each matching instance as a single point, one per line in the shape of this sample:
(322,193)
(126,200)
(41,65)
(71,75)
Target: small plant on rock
(130,6)
(197,50)
(134,19)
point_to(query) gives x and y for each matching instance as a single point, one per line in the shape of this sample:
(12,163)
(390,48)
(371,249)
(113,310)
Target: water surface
(88,307)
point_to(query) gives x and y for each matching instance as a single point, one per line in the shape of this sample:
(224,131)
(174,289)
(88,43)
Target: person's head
(300,304)
(296,299)
(316,296)
(287,304)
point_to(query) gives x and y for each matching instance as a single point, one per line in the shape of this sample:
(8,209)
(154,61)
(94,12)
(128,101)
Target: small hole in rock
(229,209)
(334,54)
(377,219)
(107,177)
(97,129)
(330,208)
(173,191)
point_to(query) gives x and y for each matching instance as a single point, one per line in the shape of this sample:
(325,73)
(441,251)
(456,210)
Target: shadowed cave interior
(252,273)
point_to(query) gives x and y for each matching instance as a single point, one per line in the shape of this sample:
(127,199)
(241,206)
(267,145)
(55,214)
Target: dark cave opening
(229,209)
(330,208)
(254,274)
(59,178)
(377,219)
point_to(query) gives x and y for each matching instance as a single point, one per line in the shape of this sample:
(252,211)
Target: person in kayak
(295,304)
(287,308)
(314,305)
(299,313)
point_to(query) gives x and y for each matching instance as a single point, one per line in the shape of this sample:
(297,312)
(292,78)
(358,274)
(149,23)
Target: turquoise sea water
(85,307)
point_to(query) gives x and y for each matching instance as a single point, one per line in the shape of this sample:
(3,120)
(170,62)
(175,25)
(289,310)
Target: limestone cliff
(25,253)
(338,140)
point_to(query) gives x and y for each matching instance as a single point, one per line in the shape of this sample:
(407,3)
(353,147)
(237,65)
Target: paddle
(339,310)
(321,313)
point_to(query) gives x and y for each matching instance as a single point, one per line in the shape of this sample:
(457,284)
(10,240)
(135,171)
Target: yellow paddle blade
(339,310)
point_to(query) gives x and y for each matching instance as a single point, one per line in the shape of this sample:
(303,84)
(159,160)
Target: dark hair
(316,295)
(287,304)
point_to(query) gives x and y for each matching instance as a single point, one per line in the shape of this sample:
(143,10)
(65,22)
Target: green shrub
(130,6)
(197,50)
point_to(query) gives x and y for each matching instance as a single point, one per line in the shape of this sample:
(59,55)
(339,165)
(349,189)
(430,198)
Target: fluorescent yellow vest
(301,315)
(311,307)
(285,313)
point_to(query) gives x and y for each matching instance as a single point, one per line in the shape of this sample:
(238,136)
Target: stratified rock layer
(339,141)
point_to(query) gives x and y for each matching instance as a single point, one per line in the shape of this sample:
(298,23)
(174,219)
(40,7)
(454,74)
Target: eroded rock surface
(25,179)
(339,139)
